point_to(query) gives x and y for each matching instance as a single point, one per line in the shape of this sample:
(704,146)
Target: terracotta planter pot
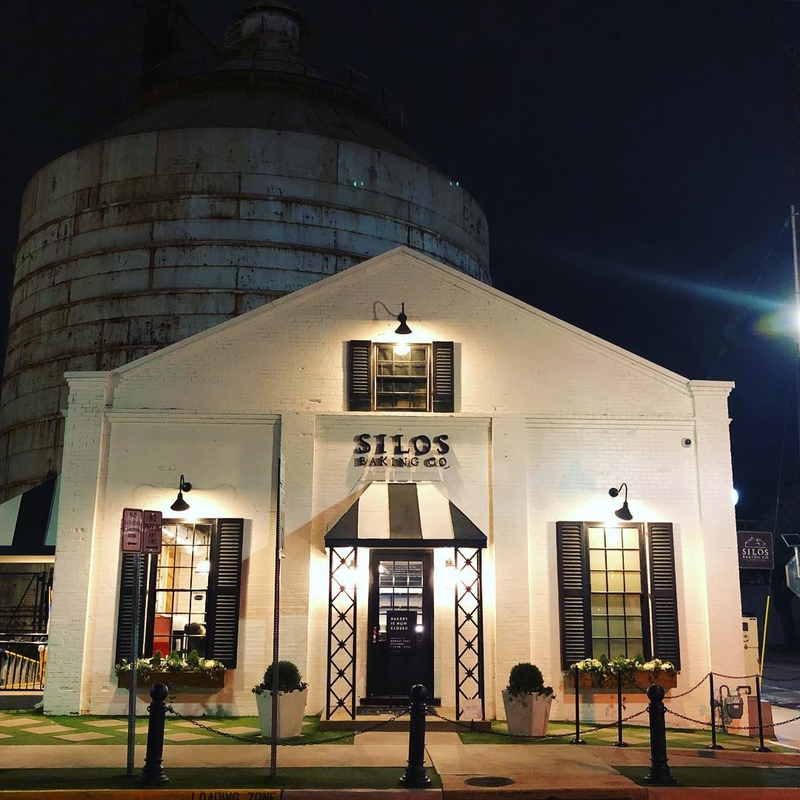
(176,681)
(631,682)
(291,708)
(527,714)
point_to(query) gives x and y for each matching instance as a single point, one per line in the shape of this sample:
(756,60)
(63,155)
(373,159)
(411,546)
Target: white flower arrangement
(622,665)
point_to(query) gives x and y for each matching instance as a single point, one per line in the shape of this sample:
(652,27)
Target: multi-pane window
(400,588)
(617,591)
(401,377)
(615,576)
(189,592)
(181,588)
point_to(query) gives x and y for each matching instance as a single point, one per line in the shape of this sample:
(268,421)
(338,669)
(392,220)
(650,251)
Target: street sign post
(140,533)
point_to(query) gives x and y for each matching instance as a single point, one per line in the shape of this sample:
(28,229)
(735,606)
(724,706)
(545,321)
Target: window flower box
(177,673)
(636,675)
(193,681)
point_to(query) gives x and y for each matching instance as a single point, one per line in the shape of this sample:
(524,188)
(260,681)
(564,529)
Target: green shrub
(527,678)
(289,679)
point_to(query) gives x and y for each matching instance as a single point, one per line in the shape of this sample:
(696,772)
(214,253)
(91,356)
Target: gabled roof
(419,266)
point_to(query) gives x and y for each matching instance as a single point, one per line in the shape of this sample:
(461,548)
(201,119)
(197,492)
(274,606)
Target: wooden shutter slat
(125,608)
(663,593)
(573,593)
(224,591)
(359,375)
(443,377)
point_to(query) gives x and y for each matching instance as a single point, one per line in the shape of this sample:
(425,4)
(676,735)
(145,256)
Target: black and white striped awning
(28,522)
(403,515)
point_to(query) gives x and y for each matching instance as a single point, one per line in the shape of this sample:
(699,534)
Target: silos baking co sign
(755,550)
(382,450)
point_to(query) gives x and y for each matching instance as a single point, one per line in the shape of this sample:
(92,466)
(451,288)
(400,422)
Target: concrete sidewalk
(562,771)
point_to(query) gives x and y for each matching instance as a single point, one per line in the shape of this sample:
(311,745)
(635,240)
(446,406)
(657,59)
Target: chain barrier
(600,727)
(689,691)
(257,738)
(729,727)
(736,677)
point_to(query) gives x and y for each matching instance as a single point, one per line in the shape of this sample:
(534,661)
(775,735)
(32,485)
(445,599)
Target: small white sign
(471,709)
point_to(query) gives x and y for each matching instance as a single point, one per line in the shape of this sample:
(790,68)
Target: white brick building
(524,424)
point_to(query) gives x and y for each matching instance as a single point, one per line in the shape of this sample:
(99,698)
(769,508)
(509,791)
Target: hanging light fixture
(180,504)
(623,513)
(402,329)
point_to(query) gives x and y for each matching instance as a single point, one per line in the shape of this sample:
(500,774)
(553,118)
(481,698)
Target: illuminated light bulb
(402,349)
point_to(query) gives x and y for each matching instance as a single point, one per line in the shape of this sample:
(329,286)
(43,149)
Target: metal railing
(23,659)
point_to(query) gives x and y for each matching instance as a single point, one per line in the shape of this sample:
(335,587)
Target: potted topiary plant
(292,693)
(527,701)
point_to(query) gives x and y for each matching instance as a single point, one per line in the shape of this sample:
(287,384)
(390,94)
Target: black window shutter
(663,593)
(359,375)
(573,593)
(222,615)
(125,611)
(443,377)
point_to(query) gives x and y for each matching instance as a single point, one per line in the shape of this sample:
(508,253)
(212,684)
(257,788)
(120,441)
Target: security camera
(686,442)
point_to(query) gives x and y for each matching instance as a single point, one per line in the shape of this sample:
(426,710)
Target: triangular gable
(419,266)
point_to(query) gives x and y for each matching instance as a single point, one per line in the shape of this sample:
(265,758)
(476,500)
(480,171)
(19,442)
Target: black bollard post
(659,768)
(619,742)
(713,701)
(760,748)
(415,771)
(577,739)
(152,771)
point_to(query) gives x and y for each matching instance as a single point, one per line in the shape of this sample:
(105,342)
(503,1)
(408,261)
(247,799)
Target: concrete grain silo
(221,192)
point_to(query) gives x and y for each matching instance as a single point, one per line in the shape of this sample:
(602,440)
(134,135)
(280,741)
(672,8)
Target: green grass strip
(722,776)
(13,780)
(117,734)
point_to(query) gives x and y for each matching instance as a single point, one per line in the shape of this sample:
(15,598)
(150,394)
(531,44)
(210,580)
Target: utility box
(750,640)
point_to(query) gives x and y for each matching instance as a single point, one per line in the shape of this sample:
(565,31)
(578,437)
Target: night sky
(632,158)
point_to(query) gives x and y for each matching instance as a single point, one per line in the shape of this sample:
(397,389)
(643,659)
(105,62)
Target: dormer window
(388,377)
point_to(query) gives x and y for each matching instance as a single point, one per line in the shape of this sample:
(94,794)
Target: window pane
(616,604)
(632,559)
(617,648)
(615,582)
(597,538)
(599,605)
(616,627)
(631,538)
(614,559)
(635,647)
(599,627)
(633,582)
(633,605)
(599,647)
(613,537)
(597,559)
(634,627)
(598,581)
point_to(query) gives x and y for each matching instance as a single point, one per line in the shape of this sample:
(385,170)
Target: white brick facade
(546,419)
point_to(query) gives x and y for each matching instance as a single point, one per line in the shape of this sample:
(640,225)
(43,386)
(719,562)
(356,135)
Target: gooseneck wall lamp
(402,329)
(180,504)
(623,513)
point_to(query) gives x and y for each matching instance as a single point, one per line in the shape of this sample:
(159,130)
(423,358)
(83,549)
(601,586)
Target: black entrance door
(400,632)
